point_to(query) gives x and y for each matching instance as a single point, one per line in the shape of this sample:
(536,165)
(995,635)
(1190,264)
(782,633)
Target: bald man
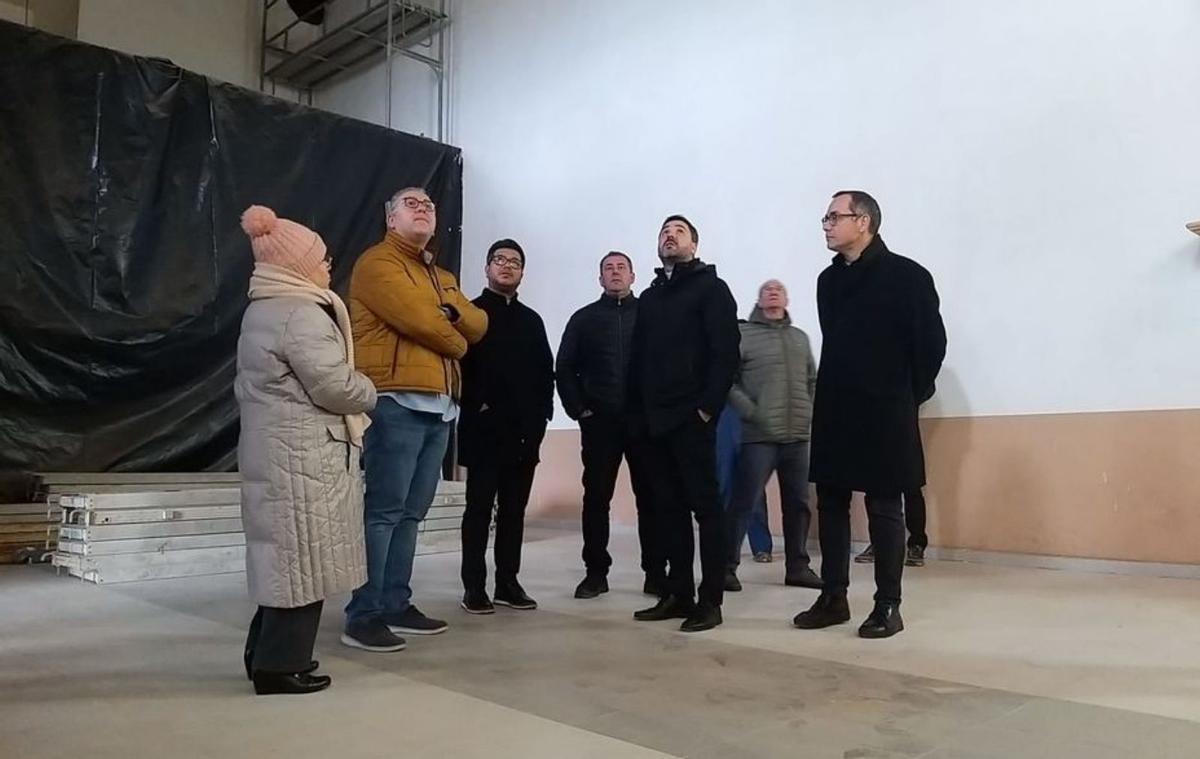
(773,395)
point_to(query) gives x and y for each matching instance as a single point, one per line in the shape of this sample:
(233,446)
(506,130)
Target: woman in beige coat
(302,418)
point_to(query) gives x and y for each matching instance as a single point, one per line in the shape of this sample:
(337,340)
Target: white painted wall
(1039,158)
(217,38)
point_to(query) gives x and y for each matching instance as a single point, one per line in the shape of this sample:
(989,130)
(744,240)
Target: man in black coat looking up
(884,342)
(685,356)
(593,379)
(507,399)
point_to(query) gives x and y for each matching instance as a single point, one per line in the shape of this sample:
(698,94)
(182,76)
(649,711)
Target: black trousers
(282,640)
(503,481)
(606,439)
(683,473)
(914,518)
(885,520)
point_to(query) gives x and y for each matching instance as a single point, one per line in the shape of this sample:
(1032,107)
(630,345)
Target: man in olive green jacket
(773,395)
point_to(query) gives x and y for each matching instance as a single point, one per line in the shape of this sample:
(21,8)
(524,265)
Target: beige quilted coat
(301,492)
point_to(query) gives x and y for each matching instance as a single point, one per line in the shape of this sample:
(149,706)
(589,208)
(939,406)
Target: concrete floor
(996,662)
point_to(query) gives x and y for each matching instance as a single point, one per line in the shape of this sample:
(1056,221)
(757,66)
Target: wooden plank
(16,509)
(24,555)
(41,528)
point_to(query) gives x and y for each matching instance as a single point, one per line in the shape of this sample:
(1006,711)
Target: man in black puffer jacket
(685,355)
(592,374)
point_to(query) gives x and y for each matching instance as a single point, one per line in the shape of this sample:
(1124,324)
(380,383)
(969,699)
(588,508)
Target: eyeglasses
(508,263)
(831,219)
(413,204)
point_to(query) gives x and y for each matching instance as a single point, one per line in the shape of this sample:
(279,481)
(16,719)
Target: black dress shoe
(510,593)
(667,607)
(732,583)
(829,610)
(655,585)
(272,683)
(248,657)
(883,622)
(591,586)
(477,602)
(803,578)
(705,618)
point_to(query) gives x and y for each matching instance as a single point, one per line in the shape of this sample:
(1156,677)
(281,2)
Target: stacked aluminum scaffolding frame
(126,528)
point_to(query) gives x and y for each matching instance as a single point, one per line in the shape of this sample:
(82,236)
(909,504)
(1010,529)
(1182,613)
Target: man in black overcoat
(883,344)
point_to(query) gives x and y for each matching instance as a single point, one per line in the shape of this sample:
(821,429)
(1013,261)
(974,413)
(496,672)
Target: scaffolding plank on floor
(151,529)
(148,545)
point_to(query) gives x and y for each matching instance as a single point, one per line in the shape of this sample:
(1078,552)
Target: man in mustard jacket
(411,326)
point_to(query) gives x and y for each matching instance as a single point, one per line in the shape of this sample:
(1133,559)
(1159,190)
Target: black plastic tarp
(122,180)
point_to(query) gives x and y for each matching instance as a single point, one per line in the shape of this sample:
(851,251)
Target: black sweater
(508,379)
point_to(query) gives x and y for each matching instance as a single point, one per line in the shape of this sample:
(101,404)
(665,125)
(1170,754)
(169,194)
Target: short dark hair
(508,244)
(864,204)
(612,253)
(681,218)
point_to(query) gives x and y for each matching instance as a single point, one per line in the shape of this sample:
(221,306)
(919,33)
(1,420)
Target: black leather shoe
(272,683)
(591,586)
(667,607)
(803,578)
(248,657)
(732,583)
(655,585)
(829,610)
(883,622)
(705,618)
(510,593)
(477,602)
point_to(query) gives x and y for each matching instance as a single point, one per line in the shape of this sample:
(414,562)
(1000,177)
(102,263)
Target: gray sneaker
(371,634)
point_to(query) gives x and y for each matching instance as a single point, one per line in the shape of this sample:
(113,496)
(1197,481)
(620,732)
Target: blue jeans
(729,434)
(402,455)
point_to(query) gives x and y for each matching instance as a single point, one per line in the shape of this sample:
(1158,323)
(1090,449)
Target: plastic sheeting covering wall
(122,180)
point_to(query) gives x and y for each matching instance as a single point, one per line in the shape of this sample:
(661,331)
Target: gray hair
(389,205)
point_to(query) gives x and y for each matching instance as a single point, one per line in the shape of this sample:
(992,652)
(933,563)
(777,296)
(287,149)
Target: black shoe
(704,618)
(371,634)
(510,593)
(591,586)
(804,578)
(668,607)
(655,585)
(412,622)
(867,556)
(732,583)
(248,657)
(883,622)
(829,610)
(477,602)
(763,557)
(272,683)
(915,557)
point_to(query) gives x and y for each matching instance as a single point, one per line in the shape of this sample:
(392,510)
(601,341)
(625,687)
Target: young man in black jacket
(592,374)
(685,356)
(507,399)
(884,342)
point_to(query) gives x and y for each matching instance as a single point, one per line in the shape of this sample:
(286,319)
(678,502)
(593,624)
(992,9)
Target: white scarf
(269,281)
